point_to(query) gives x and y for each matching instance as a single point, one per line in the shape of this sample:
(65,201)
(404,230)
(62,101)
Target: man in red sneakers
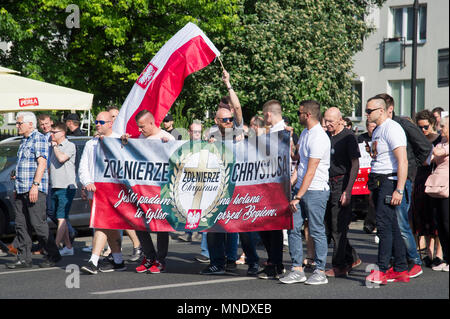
(153,261)
(389,170)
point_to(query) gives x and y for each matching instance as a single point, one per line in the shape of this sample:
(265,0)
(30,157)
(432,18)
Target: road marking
(13,272)
(186,284)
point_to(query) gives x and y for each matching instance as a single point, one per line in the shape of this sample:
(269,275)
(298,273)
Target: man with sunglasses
(103,125)
(418,148)
(389,171)
(223,247)
(311,194)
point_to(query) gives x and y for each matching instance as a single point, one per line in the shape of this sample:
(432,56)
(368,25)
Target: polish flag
(160,83)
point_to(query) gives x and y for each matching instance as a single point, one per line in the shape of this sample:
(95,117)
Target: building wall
(368,64)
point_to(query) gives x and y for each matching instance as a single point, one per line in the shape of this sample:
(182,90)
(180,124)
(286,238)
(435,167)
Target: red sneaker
(157,268)
(398,276)
(415,271)
(145,265)
(377,277)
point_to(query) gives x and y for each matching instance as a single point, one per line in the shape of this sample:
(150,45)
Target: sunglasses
(101,122)
(54,132)
(196,132)
(300,113)
(369,111)
(425,127)
(19,123)
(227,119)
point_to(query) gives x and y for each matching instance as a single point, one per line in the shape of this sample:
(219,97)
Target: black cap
(73,117)
(168,118)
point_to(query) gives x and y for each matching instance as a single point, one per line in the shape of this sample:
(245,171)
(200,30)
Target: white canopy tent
(18,93)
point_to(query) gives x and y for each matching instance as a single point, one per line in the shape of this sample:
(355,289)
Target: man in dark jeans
(30,189)
(418,148)
(344,166)
(389,170)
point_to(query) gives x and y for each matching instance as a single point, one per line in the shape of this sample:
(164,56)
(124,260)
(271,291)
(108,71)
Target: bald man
(344,166)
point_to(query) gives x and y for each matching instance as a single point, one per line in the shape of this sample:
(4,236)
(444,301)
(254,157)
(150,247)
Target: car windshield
(8,156)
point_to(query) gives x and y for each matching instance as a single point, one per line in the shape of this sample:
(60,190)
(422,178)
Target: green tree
(292,50)
(115,41)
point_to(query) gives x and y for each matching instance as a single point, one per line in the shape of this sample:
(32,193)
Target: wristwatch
(399,191)
(297,198)
(36,183)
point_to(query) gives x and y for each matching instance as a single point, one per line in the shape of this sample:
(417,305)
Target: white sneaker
(441,267)
(66,251)
(377,239)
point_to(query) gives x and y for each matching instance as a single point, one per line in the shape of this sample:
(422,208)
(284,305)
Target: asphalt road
(182,282)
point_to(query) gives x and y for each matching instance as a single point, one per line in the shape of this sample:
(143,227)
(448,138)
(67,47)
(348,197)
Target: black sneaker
(90,268)
(48,263)
(19,264)
(231,266)
(109,266)
(252,270)
(269,272)
(212,270)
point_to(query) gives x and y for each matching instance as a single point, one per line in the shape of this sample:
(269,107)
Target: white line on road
(186,284)
(13,272)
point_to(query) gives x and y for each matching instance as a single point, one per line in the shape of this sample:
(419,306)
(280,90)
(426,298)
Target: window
(402,23)
(401,92)
(393,52)
(357,102)
(443,67)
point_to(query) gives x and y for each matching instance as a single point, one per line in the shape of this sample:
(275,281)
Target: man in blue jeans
(418,148)
(312,193)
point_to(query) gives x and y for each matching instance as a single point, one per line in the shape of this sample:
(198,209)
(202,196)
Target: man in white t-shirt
(103,125)
(311,195)
(154,261)
(389,170)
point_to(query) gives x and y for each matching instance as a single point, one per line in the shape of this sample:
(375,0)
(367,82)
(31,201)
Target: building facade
(385,63)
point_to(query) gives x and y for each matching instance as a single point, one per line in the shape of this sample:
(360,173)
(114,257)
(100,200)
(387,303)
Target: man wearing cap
(168,127)
(73,125)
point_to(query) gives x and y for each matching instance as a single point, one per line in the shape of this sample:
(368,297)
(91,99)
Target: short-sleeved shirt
(30,149)
(344,149)
(314,143)
(63,175)
(385,139)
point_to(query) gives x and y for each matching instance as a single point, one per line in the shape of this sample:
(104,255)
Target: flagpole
(221,63)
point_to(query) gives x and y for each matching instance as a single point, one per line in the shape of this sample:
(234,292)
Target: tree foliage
(288,50)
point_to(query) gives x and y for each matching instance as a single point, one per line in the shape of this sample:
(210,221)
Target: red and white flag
(158,86)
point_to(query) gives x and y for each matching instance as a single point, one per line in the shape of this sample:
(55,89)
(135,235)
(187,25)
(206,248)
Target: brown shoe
(356,263)
(336,272)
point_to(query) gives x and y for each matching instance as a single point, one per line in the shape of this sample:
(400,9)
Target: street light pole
(414,58)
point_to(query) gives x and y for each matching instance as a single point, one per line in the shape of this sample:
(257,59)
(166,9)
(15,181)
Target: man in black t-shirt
(344,166)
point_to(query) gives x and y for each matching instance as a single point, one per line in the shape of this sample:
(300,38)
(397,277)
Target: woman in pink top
(440,158)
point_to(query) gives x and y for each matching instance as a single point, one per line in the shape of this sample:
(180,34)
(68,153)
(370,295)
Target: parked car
(80,211)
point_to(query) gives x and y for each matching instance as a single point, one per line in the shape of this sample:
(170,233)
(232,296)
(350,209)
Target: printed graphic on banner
(360,185)
(192,185)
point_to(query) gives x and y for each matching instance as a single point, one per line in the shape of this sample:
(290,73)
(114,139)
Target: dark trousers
(219,244)
(33,216)
(248,243)
(337,221)
(391,241)
(442,211)
(370,220)
(149,249)
(273,242)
